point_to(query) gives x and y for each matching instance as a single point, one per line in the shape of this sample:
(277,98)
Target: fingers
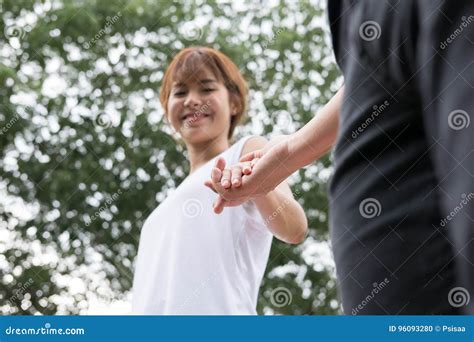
(226,178)
(246,168)
(229,177)
(219,175)
(232,178)
(216,175)
(236,177)
(223,180)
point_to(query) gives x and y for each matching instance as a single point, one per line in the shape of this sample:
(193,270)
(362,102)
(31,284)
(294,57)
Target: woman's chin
(196,136)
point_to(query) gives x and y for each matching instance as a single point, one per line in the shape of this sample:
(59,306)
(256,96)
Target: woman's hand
(232,177)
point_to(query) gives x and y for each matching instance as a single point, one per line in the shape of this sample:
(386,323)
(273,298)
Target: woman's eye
(179,93)
(208,90)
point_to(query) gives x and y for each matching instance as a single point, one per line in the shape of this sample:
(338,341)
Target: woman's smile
(194,119)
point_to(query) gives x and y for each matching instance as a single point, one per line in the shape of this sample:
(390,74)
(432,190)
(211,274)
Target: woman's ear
(234,110)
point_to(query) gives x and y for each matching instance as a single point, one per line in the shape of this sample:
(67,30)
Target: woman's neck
(200,154)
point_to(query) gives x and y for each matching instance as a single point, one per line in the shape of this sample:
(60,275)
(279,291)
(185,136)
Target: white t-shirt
(192,261)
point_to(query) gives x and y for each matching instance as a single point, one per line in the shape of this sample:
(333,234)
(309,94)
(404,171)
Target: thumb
(220,163)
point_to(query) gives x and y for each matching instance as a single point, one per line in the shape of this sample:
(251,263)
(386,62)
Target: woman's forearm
(283,215)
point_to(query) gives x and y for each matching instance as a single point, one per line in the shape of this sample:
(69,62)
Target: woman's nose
(192,100)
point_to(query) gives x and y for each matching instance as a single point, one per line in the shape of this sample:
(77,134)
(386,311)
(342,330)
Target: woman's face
(199,109)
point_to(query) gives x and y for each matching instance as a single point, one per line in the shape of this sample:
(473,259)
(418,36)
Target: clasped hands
(245,180)
(225,181)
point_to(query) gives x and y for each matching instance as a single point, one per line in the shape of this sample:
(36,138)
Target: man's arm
(280,160)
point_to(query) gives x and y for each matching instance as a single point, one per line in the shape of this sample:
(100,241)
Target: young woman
(190,260)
